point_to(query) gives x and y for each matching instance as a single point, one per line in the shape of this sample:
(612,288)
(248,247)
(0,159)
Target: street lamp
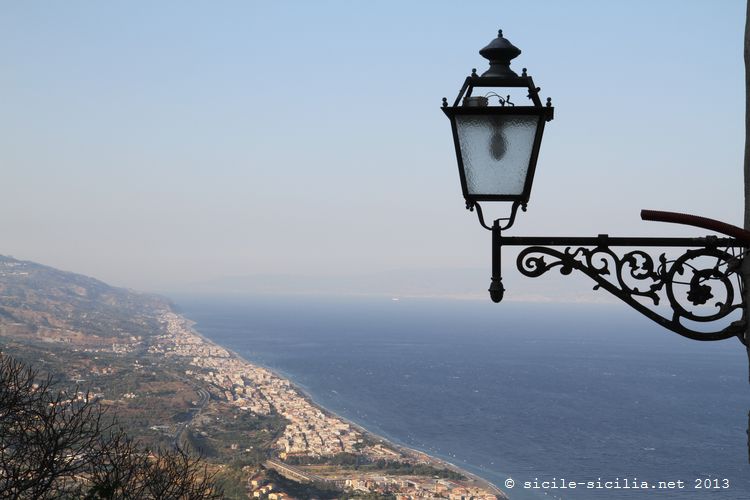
(698,294)
(497,146)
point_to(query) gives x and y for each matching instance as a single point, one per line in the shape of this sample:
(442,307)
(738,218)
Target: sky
(171,146)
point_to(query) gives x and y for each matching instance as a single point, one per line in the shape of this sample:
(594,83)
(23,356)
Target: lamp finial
(500,52)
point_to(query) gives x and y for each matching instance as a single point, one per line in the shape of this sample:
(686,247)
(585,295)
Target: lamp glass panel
(496,150)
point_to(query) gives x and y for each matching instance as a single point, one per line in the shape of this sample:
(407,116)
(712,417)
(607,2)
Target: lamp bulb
(497,145)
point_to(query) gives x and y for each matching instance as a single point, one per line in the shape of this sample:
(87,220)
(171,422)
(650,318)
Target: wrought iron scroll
(702,285)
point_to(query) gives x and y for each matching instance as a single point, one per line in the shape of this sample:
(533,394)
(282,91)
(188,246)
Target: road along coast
(314,439)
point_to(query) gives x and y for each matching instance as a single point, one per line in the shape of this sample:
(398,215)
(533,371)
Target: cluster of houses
(256,389)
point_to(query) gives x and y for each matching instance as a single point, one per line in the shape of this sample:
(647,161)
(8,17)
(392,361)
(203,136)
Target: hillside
(94,337)
(45,304)
(110,342)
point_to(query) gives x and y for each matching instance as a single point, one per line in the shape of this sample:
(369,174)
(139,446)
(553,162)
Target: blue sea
(543,394)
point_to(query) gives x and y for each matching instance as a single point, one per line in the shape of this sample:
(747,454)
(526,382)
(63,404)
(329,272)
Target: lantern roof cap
(500,52)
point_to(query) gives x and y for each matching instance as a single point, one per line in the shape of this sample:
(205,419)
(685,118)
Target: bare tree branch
(58,444)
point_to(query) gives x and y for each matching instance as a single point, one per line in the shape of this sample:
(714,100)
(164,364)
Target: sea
(563,401)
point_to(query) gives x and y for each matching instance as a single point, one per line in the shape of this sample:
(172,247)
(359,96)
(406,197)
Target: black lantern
(497,146)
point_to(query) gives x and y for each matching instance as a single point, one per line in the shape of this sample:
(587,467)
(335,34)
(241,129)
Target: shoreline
(404,449)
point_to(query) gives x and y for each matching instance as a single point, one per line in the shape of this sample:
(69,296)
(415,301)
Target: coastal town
(256,389)
(310,432)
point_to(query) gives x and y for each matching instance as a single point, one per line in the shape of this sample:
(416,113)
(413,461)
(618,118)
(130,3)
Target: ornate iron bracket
(702,286)
(699,294)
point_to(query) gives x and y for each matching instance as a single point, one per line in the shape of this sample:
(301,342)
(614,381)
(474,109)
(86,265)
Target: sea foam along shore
(248,385)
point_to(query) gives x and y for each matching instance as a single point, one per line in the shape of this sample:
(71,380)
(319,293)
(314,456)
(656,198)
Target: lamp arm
(698,294)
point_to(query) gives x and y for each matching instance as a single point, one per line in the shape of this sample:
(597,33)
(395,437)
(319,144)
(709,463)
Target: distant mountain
(450,283)
(464,283)
(42,303)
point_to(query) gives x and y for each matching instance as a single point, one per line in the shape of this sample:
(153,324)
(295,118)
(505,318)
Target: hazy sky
(156,145)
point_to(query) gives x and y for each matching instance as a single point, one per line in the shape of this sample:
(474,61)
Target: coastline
(403,449)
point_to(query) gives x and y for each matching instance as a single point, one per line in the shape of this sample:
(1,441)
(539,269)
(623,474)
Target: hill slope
(43,303)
